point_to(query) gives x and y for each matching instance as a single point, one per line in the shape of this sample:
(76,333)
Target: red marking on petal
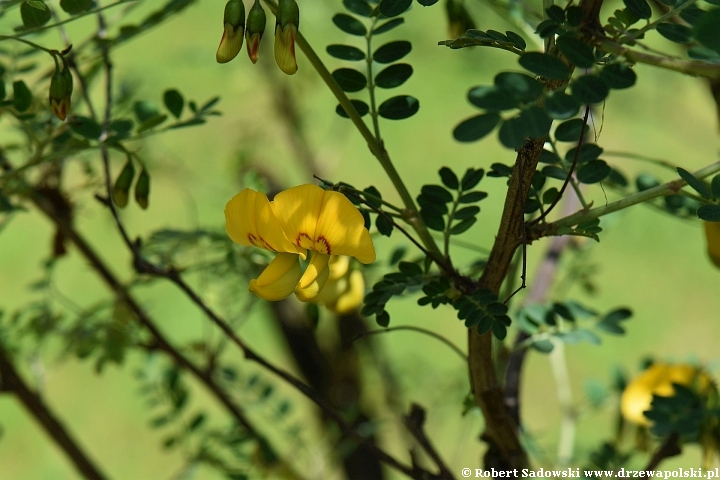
(300,236)
(253,50)
(324,241)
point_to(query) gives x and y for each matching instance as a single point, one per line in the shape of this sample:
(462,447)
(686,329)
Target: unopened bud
(286,27)
(256,22)
(142,189)
(61,87)
(234,26)
(121,189)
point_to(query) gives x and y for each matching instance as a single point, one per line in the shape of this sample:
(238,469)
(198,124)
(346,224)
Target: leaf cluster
(391,76)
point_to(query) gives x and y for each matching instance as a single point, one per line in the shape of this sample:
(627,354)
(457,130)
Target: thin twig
(669,448)
(10,380)
(424,331)
(668,188)
(302,387)
(414,422)
(67,20)
(523,274)
(688,67)
(158,342)
(570,173)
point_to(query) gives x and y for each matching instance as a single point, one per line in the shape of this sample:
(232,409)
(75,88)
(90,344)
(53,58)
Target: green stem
(640,197)
(642,158)
(688,67)
(360,194)
(424,331)
(638,33)
(451,217)
(573,183)
(28,42)
(371,80)
(67,20)
(578,192)
(558,363)
(462,244)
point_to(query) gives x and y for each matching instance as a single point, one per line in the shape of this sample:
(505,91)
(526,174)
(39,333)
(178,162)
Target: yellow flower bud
(255,28)
(233,30)
(61,87)
(286,26)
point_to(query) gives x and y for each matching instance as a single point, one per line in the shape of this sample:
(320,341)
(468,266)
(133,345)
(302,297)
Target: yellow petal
(637,396)
(285,48)
(712,236)
(341,229)
(658,379)
(279,278)
(332,290)
(249,220)
(230,44)
(352,298)
(314,279)
(298,209)
(339,266)
(60,107)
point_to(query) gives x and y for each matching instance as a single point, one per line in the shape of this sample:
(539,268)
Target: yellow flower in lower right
(658,380)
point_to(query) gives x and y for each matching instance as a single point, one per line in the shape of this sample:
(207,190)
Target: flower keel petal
(279,278)
(314,279)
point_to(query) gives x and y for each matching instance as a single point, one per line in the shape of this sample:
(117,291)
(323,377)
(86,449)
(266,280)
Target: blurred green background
(650,262)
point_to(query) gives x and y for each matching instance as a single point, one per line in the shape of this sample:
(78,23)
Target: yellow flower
(657,380)
(249,221)
(299,219)
(712,237)
(345,288)
(326,223)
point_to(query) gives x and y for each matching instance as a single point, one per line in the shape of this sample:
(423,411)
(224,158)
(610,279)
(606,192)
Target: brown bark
(500,429)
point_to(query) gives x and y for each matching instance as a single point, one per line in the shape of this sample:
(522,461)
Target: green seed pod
(288,12)
(121,190)
(142,189)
